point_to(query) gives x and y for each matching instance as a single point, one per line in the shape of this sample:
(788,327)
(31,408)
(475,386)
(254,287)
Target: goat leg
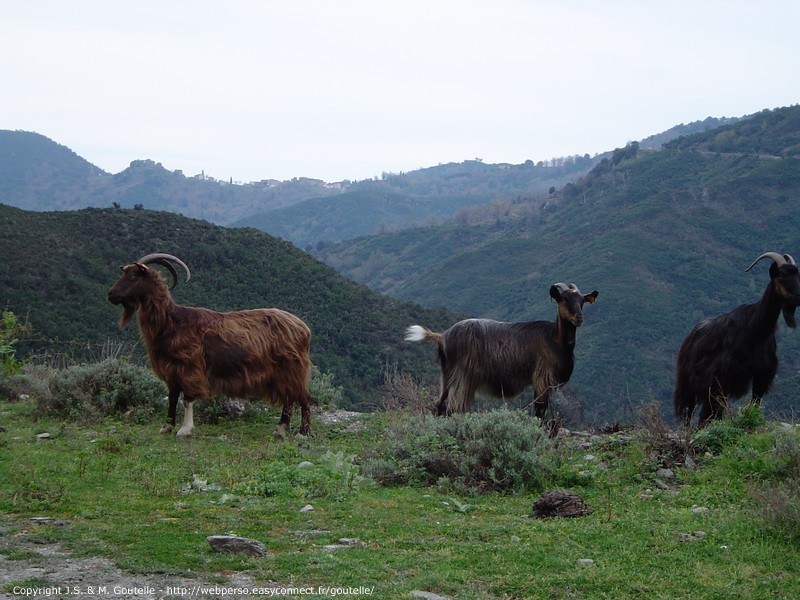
(286,417)
(171,411)
(305,411)
(188,418)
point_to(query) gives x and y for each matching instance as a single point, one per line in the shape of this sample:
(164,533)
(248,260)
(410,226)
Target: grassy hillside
(721,522)
(58,266)
(664,236)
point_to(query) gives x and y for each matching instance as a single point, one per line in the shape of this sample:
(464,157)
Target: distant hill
(37,173)
(664,236)
(57,268)
(426,196)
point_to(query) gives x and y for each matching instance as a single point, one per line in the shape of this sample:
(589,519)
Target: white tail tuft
(415,333)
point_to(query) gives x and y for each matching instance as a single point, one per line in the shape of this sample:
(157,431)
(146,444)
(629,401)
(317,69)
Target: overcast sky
(349,89)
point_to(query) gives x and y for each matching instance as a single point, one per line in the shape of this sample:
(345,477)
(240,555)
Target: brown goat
(261,353)
(501,360)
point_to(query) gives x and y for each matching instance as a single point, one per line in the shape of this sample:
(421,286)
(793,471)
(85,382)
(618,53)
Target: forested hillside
(664,236)
(423,197)
(57,268)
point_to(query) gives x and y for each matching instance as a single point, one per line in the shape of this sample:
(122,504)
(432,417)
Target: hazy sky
(348,89)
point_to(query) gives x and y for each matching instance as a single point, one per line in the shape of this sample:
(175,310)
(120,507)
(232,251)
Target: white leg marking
(188,421)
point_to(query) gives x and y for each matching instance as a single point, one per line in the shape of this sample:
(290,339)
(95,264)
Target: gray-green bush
(474,452)
(85,392)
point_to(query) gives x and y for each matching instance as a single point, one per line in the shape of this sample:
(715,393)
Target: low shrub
(474,452)
(401,391)
(778,503)
(84,392)
(323,390)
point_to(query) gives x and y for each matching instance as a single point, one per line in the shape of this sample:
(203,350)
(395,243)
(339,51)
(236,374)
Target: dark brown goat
(502,360)
(260,353)
(724,356)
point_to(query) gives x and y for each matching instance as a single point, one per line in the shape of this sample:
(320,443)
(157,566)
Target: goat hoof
(184,433)
(281,432)
(166,429)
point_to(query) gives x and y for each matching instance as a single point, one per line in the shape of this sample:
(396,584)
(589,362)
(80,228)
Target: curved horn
(564,287)
(778,259)
(166,260)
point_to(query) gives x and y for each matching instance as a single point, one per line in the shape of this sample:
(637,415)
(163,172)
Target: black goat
(724,356)
(501,360)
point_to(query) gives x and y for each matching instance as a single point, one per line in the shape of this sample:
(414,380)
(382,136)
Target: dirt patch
(30,567)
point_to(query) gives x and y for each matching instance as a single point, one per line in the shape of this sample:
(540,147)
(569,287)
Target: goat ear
(555,294)
(590,298)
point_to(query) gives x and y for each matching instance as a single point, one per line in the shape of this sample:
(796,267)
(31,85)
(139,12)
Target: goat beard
(788,315)
(127,314)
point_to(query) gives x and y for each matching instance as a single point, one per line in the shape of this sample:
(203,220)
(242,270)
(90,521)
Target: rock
(234,407)
(43,520)
(343,543)
(305,464)
(559,503)
(237,545)
(200,485)
(699,510)
(585,562)
(349,541)
(665,474)
(427,595)
(695,536)
(43,436)
(307,509)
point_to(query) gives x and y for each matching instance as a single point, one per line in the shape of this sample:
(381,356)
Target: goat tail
(418,333)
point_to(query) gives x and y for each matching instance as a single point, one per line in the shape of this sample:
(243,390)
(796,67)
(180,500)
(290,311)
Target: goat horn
(563,287)
(166,260)
(778,259)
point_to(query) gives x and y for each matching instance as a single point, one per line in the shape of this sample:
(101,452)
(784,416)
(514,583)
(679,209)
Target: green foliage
(493,451)
(10,330)
(334,475)
(724,433)
(716,436)
(749,417)
(87,392)
(324,392)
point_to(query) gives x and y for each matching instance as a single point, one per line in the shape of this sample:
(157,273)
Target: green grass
(123,488)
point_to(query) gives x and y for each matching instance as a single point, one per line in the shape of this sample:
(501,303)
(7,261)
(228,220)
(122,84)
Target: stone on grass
(423,595)
(237,545)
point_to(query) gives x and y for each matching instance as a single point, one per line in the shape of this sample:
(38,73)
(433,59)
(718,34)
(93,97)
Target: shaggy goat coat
(260,353)
(725,356)
(501,360)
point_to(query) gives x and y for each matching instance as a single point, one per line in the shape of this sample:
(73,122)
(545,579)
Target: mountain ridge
(37,173)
